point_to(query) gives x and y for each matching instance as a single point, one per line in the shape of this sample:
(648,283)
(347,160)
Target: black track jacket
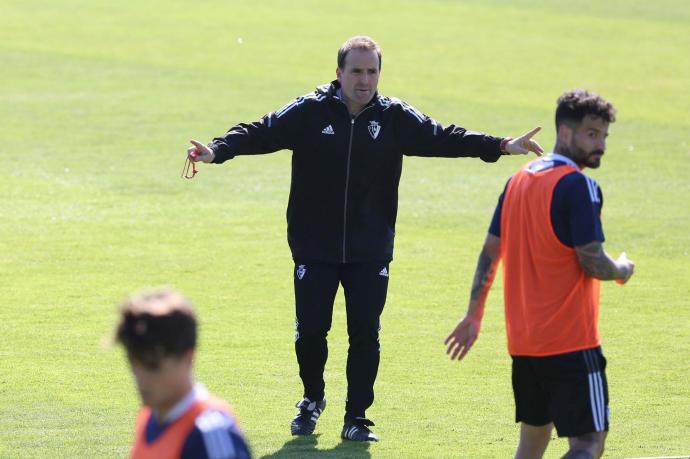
(345,170)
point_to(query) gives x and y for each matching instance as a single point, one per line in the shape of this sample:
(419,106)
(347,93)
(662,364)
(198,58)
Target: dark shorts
(569,390)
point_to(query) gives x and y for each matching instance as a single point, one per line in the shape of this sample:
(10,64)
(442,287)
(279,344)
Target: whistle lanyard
(189,169)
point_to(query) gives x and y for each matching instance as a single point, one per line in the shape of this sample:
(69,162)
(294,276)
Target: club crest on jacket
(301,271)
(374,128)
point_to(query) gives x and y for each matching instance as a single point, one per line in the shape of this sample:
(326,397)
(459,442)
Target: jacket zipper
(347,175)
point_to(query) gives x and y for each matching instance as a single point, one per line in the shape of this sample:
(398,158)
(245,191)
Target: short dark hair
(574,105)
(156,324)
(358,42)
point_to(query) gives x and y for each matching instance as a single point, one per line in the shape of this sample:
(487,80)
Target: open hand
(462,338)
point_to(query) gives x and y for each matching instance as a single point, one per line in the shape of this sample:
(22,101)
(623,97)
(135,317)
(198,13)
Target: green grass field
(98,100)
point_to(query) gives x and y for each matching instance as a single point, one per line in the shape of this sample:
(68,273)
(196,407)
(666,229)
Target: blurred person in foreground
(179,419)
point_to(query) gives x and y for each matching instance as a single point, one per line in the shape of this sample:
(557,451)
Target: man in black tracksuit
(348,142)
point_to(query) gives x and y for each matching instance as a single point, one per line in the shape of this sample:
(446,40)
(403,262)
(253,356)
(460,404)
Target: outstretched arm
(596,263)
(274,131)
(464,335)
(420,135)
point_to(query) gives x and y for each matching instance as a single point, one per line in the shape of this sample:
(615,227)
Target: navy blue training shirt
(215,434)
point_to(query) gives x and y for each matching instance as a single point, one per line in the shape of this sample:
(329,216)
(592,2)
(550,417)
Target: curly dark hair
(156,324)
(575,104)
(358,42)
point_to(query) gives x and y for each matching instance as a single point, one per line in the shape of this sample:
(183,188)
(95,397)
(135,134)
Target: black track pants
(365,286)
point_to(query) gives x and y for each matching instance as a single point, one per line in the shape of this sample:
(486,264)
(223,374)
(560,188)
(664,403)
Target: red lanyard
(189,164)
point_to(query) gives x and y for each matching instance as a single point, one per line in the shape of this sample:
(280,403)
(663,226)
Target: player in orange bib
(547,230)
(179,419)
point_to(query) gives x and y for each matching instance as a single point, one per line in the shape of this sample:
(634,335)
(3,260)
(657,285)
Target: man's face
(587,142)
(162,388)
(359,78)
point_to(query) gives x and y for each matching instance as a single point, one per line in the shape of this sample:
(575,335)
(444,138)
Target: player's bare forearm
(484,275)
(465,333)
(596,263)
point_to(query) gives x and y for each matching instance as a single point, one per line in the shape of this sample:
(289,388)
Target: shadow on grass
(300,447)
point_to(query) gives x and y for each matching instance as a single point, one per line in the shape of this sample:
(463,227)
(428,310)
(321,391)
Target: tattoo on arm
(483,276)
(595,262)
